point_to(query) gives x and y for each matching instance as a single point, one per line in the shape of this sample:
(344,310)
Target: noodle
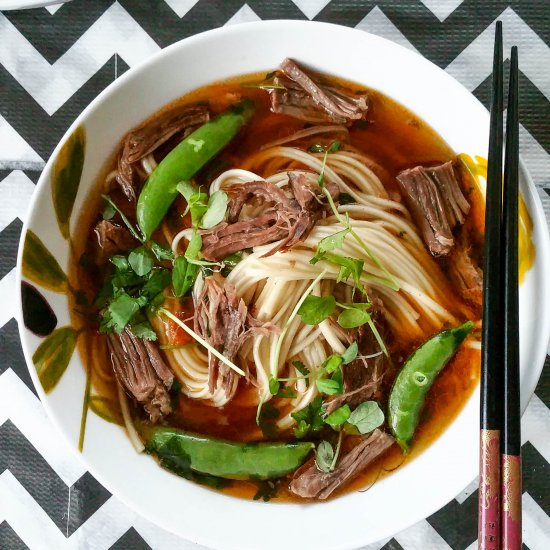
(273,286)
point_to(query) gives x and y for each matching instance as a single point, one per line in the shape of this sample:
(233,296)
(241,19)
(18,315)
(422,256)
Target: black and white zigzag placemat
(53,62)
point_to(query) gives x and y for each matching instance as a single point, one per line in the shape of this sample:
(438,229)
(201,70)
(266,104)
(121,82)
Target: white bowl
(201,515)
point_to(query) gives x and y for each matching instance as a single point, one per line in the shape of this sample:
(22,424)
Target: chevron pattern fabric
(53,62)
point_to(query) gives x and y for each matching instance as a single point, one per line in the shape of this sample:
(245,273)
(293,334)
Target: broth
(393,137)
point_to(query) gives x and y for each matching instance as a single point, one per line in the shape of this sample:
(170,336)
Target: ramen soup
(283,286)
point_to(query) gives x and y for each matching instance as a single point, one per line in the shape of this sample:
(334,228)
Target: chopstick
(491,347)
(511,433)
(500,435)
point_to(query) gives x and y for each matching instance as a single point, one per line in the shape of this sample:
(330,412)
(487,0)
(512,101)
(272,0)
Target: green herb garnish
(367,417)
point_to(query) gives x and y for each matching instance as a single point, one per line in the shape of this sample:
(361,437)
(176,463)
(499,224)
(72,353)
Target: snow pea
(184,161)
(184,452)
(416,378)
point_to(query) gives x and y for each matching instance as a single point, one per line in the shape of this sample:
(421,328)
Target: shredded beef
(310,482)
(143,141)
(308,98)
(289,220)
(436,202)
(465,272)
(111,239)
(222,319)
(141,371)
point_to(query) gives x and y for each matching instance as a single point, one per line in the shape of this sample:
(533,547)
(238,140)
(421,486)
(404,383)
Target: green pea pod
(183,452)
(416,378)
(184,161)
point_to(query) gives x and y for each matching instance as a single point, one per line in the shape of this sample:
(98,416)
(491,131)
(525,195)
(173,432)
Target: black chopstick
(491,349)
(511,427)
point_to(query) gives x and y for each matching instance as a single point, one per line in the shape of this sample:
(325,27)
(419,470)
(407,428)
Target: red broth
(393,137)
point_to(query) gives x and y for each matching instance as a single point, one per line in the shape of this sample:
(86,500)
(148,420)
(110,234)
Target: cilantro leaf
(217,207)
(338,417)
(367,417)
(143,330)
(267,417)
(158,280)
(183,275)
(119,312)
(353,317)
(140,261)
(324,455)
(350,354)
(309,419)
(161,252)
(336,240)
(315,309)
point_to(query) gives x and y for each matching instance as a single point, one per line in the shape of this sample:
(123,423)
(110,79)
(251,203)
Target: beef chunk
(436,202)
(307,98)
(310,482)
(111,239)
(142,372)
(287,219)
(143,141)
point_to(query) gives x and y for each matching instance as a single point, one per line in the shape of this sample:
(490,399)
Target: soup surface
(297,350)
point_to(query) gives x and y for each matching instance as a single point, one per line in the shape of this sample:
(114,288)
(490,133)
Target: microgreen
(217,207)
(193,248)
(332,363)
(353,318)
(336,240)
(333,385)
(315,309)
(350,354)
(292,316)
(303,370)
(197,202)
(338,417)
(366,417)
(324,456)
(332,148)
(390,280)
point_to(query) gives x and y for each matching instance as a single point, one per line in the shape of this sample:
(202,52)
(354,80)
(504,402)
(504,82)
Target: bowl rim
(537,214)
